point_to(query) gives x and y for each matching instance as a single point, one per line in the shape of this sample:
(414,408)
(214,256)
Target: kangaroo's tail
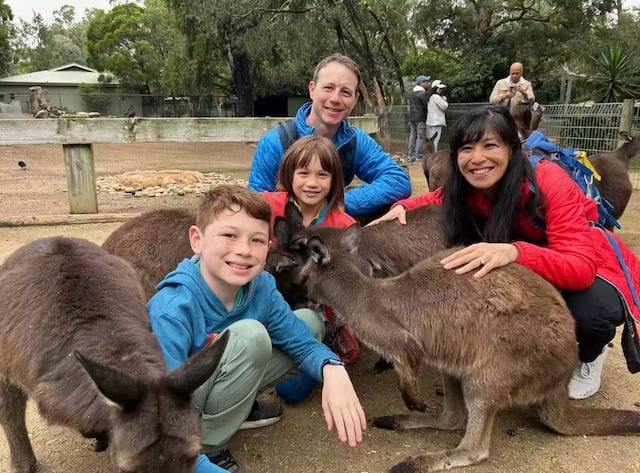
(559,415)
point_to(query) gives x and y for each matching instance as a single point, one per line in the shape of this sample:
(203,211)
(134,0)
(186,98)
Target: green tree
(6,16)
(120,41)
(485,36)
(41,46)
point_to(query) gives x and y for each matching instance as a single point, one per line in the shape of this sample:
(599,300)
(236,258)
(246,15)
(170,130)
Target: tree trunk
(242,83)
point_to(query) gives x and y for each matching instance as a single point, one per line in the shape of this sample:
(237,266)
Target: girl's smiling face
(311,186)
(484,162)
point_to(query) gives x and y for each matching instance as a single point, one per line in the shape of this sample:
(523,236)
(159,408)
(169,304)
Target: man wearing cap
(513,90)
(418,100)
(436,118)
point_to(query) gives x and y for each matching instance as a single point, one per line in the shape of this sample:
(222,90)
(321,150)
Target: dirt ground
(300,442)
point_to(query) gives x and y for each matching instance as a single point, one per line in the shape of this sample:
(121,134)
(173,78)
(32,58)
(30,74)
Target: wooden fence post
(626,118)
(81,178)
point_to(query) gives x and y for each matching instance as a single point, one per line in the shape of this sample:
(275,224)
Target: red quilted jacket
(568,252)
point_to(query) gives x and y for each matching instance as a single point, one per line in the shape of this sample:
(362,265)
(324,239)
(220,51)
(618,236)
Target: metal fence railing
(591,127)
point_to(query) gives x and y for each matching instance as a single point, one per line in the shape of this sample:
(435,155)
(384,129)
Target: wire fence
(592,127)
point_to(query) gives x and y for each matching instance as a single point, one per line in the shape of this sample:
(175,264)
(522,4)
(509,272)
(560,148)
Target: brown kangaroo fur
(75,337)
(153,243)
(504,340)
(613,167)
(156,241)
(435,164)
(389,247)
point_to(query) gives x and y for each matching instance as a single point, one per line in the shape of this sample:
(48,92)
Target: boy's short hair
(234,198)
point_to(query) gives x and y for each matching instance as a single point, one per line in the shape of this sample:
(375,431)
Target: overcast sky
(24,8)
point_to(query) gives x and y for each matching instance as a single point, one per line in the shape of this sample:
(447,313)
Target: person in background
(224,288)
(436,117)
(418,101)
(512,90)
(503,210)
(334,94)
(310,176)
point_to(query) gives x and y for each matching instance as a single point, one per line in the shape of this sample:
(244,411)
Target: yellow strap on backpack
(581,156)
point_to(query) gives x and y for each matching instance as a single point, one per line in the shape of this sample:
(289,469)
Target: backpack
(577,165)
(289,133)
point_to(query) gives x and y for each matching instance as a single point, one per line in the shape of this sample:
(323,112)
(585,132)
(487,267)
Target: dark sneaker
(225,460)
(264,412)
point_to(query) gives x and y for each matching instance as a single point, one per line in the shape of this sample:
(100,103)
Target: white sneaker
(585,381)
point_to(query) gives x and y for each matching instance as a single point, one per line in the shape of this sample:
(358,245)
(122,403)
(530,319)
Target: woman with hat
(436,119)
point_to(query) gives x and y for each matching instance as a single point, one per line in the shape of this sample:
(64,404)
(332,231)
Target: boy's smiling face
(233,251)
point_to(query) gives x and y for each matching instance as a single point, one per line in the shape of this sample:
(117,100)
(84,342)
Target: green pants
(249,365)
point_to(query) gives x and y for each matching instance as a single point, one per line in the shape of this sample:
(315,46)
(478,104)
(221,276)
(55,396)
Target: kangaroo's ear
(350,239)
(318,251)
(281,231)
(626,136)
(285,263)
(294,216)
(118,388)
(197,369)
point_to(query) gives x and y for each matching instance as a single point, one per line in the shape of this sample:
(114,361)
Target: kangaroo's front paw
(385,422)
(407,466)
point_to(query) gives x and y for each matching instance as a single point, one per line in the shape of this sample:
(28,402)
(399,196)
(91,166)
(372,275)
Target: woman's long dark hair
(461,226)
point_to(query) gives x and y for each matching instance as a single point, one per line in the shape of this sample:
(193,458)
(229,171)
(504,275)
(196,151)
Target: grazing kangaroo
(435,164)
(504,340)
(613,167)
(153,243)
(75,336)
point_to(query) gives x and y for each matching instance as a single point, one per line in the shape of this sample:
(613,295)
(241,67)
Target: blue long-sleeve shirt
(385,182)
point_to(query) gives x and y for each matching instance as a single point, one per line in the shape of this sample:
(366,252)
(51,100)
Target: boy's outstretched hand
(341,405)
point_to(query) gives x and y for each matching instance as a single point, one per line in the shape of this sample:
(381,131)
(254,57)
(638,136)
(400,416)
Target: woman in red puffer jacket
(504,210)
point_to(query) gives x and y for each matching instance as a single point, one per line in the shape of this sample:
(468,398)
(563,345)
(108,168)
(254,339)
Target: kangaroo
(75,337)
(153,243)
(389,247)
(156,241)
(504,340)
(435,164)
(613,167)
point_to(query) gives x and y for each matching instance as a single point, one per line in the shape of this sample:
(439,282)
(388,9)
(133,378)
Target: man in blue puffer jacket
(334,93)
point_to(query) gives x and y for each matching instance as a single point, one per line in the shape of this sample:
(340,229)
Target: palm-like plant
(615,74)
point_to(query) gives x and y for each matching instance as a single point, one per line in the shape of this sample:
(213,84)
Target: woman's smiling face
(484,162)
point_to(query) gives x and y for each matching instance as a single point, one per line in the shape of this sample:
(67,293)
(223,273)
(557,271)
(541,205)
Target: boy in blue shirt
(224,287)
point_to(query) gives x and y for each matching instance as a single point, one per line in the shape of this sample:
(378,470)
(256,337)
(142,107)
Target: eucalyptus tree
(485,36)
(6,16)
(40,46)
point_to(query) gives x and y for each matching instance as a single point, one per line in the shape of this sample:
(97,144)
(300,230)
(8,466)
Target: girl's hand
(481,256)
(397,212)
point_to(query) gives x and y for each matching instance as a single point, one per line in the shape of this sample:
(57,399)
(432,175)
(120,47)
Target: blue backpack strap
(581,175)
(288,133)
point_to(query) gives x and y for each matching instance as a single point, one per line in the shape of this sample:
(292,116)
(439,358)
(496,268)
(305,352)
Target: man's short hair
(341,59)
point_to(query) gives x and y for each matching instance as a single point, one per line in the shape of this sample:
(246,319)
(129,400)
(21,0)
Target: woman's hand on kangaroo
(482,257)
(397,212)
